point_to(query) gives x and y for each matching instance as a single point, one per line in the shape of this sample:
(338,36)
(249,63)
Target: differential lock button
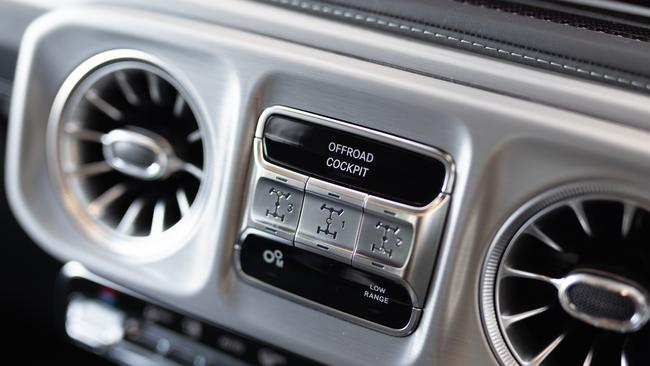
(384,240)
(329,227)
(277,205)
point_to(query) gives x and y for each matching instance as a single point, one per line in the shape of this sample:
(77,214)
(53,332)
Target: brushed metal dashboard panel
(506,150)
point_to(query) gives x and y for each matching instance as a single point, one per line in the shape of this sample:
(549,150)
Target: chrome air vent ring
(565,280)
(128,153)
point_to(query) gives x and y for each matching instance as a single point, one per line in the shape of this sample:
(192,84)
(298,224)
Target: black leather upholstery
(482,27)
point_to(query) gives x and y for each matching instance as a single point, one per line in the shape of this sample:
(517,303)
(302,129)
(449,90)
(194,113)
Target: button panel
(384,228)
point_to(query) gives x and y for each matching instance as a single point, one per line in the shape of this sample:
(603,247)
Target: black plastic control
(354,161)
(326,281)
(226,347)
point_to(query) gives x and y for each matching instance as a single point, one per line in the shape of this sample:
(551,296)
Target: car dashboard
(356,182)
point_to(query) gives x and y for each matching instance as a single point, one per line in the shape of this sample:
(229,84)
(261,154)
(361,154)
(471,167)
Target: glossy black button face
(354,161)
(326,281)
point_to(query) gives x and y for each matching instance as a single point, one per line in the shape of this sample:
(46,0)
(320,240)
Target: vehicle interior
(325,182)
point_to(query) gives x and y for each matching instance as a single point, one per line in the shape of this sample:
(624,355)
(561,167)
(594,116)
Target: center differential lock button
(329,227)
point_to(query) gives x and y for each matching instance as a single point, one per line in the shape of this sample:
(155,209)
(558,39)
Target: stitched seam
(622,33)
(467,33)
(391,24)
(442,29)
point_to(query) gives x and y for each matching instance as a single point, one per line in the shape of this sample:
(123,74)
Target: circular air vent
(567,283)
(128,149)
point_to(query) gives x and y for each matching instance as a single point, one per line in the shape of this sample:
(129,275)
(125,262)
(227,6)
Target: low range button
(326,281)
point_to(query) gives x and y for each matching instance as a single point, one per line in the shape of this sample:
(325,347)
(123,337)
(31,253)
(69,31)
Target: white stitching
(391,24)
(627,35)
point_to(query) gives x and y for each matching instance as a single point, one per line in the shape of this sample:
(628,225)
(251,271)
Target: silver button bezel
(427,221)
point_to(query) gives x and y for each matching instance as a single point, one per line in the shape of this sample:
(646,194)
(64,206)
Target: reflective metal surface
(141,154)
(619,288)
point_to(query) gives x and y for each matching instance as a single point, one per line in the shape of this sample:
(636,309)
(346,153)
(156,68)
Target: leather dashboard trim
(581,53)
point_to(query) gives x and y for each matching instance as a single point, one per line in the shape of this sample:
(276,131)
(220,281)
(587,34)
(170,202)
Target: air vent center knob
(139,153)
(606,302)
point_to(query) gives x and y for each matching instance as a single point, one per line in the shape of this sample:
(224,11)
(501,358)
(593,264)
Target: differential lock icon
(329,220)
(279,197)
(389,239)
